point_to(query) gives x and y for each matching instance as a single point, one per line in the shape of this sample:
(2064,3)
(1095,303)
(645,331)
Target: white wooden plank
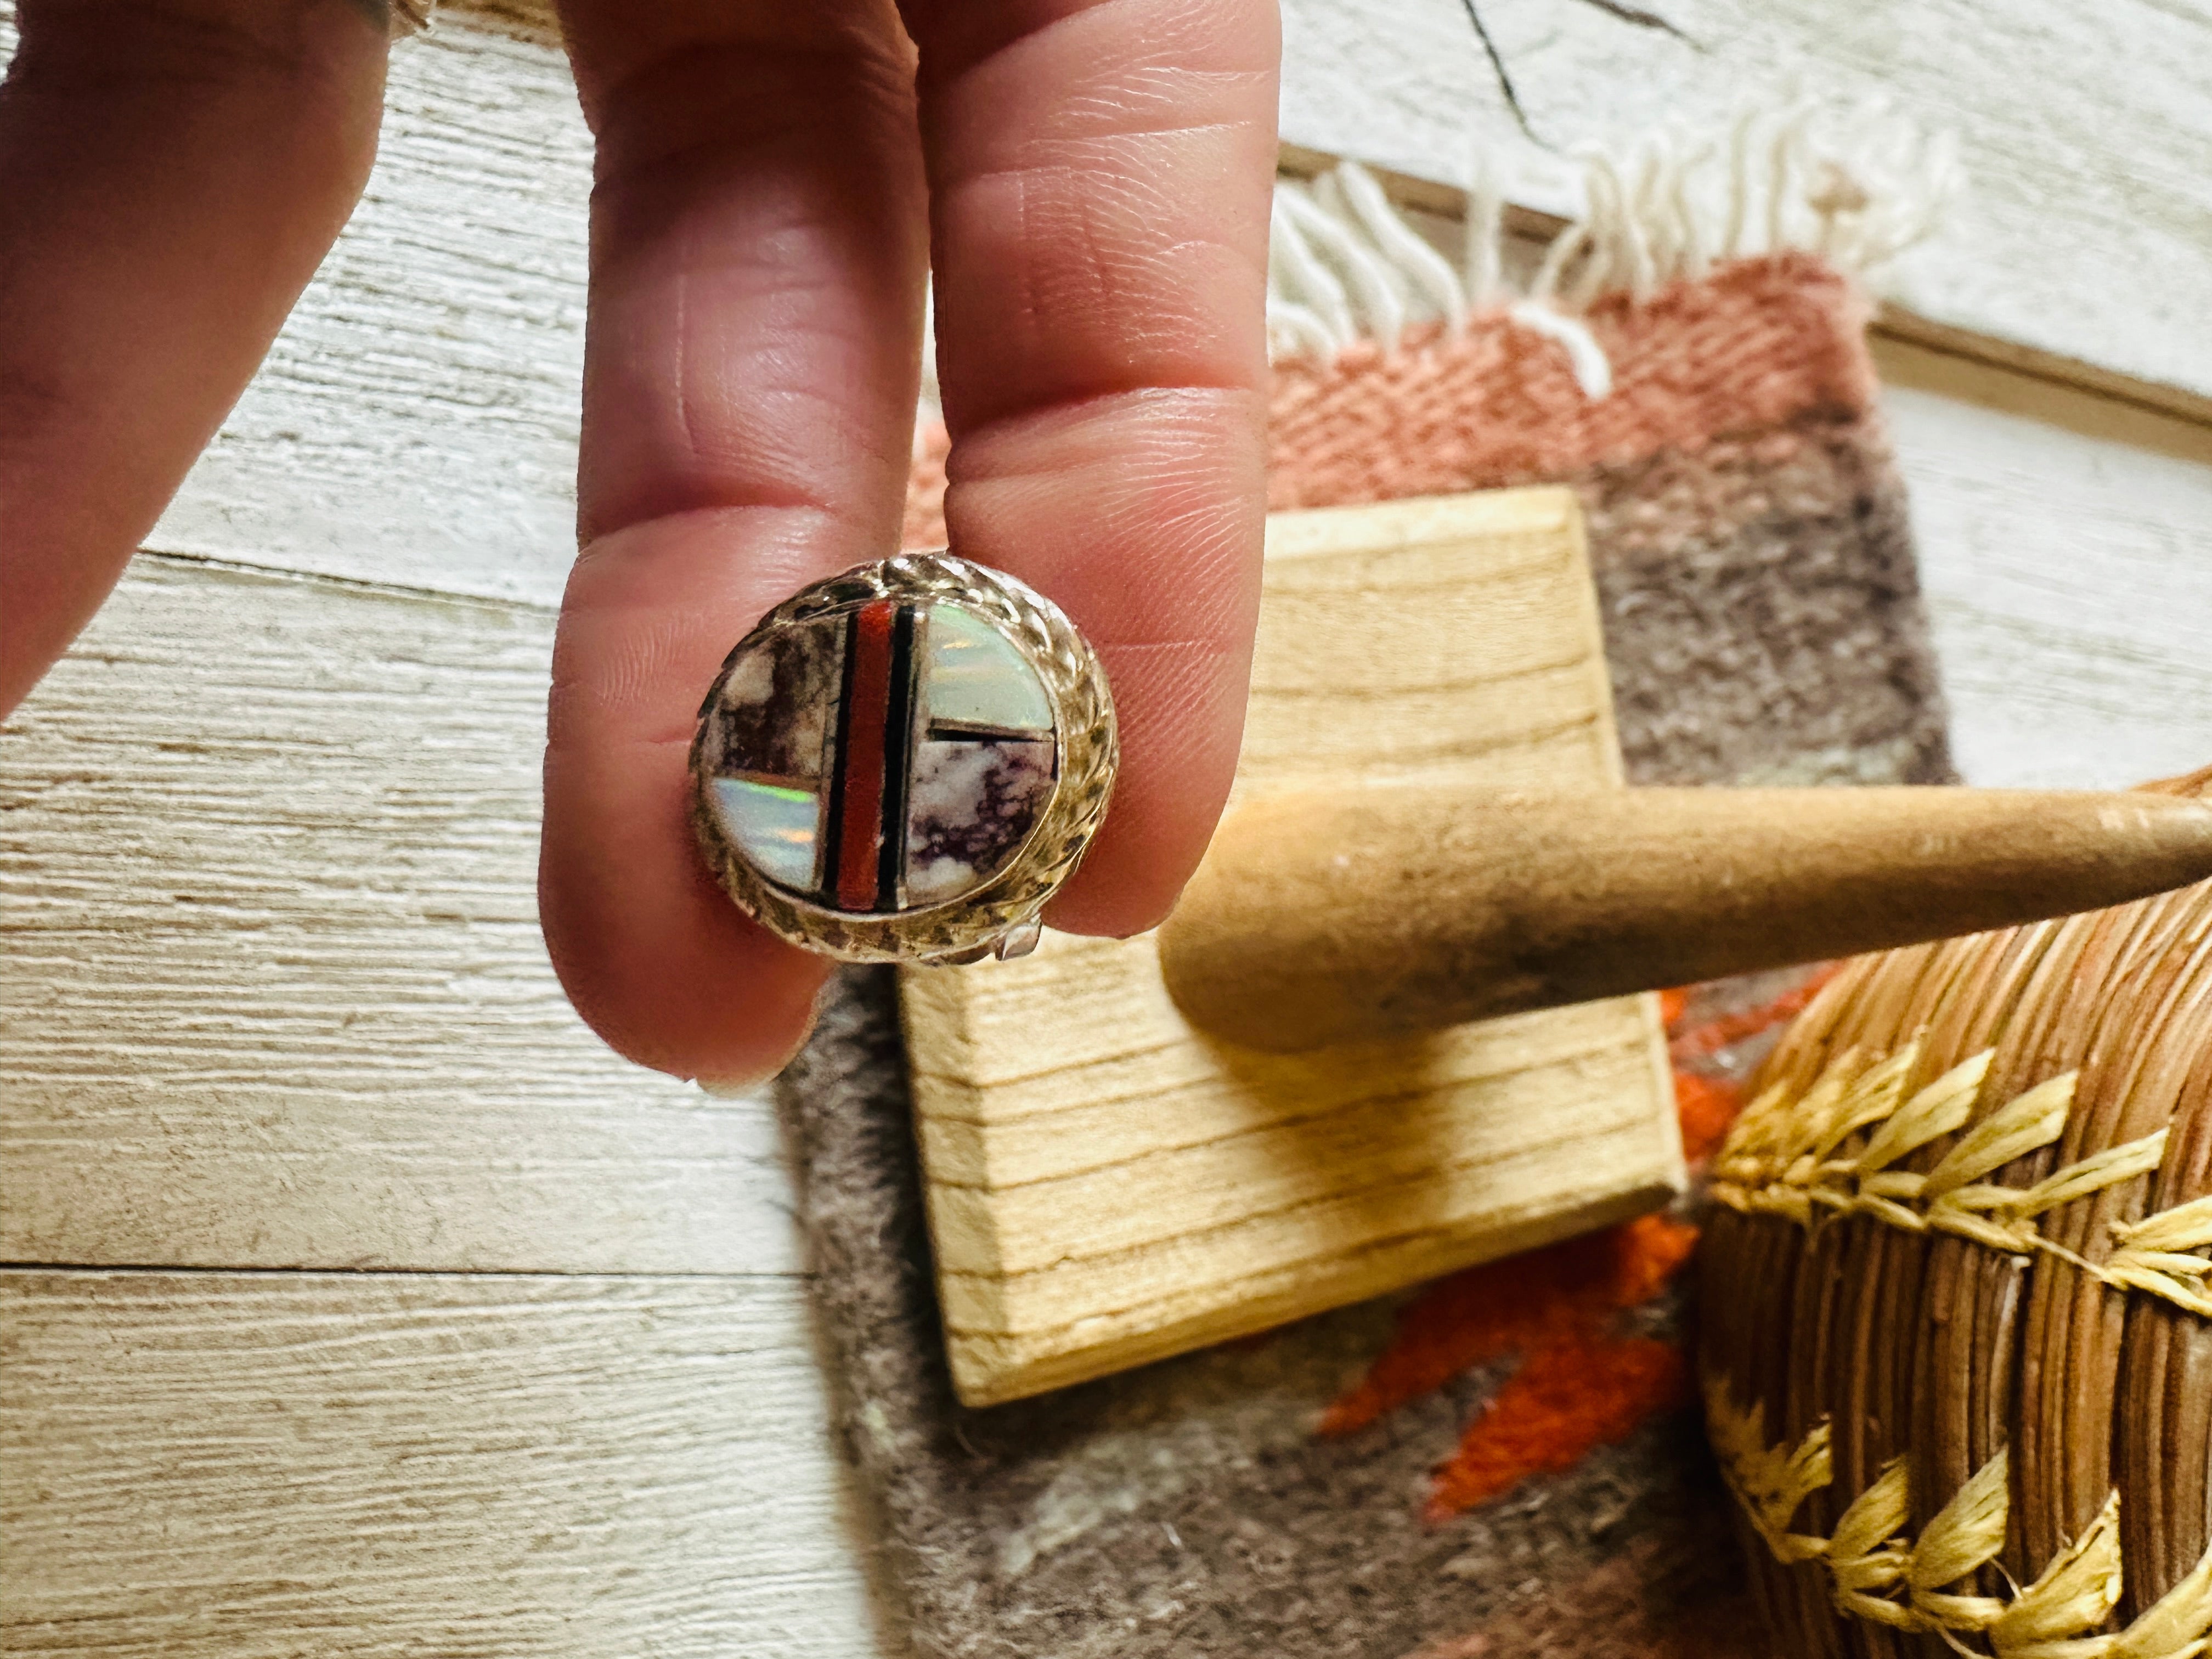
(266,1465)
(417,420)
(2086,131)
(416,423)
(2065,546)
(273,991)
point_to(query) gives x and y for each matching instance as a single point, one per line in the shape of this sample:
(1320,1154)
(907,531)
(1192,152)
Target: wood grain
(2084,132)
(416,421)
(1108,1191)
(273,993)
(2065,550)
(266,1465)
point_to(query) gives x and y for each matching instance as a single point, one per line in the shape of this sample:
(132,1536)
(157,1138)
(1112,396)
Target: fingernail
(730,1088)
(744,1087)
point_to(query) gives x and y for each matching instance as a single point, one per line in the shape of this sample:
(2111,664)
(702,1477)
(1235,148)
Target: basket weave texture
(1957,1323)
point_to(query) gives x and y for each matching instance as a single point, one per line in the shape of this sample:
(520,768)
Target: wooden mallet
(1320,918)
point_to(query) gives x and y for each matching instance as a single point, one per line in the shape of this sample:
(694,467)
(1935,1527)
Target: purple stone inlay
(974,803)
(774,710)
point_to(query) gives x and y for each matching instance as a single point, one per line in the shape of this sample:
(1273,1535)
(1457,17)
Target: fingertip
(1130,887)
(171,175)
(656,958)
(1108,904)
(677,987)
(1182,723)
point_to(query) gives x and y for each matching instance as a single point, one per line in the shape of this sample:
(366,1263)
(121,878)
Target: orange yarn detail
(1569,1397)
(1517,1305)
(1580,1384)
(1706,1107)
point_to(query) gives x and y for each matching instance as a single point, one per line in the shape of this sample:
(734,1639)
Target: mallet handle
(1321,918)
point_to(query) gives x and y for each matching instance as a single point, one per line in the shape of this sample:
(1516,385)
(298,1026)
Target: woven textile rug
(1503,1462)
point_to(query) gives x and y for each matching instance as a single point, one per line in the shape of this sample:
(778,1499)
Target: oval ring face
(904,762)
(891,756)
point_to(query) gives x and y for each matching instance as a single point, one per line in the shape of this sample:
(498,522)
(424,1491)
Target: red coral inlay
(861,833)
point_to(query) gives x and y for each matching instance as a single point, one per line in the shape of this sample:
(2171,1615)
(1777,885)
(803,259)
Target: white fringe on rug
(1345,266)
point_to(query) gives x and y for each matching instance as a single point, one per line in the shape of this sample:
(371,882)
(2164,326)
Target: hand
(1095,209)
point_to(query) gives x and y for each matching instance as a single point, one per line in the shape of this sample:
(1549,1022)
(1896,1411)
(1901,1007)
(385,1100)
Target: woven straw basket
(1957,1345)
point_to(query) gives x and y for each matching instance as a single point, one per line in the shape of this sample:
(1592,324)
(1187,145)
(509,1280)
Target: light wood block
(1108,1190)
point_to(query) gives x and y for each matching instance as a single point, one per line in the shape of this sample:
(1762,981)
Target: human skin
(1089,182)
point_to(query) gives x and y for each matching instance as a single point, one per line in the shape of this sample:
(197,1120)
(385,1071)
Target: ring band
(904,762)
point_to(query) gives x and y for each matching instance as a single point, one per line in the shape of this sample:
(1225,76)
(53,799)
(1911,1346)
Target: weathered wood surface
(2084,132)
(272,996)
(416,423)
(1106,1191)
(260,1466)
(2065,547)
(273,991)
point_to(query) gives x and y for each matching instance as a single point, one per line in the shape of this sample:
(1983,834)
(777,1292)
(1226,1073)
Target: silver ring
(904,762)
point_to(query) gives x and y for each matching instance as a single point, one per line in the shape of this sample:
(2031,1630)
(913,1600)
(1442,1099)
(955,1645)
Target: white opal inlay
(777,828)
(751,678)
(973,675)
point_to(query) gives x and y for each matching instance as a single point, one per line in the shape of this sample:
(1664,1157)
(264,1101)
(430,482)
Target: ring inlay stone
(893,757)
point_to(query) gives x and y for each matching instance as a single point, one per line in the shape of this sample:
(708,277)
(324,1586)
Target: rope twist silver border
(1090,754)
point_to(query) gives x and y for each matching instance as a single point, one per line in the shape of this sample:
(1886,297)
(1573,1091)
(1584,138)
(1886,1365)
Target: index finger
(1099,175)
